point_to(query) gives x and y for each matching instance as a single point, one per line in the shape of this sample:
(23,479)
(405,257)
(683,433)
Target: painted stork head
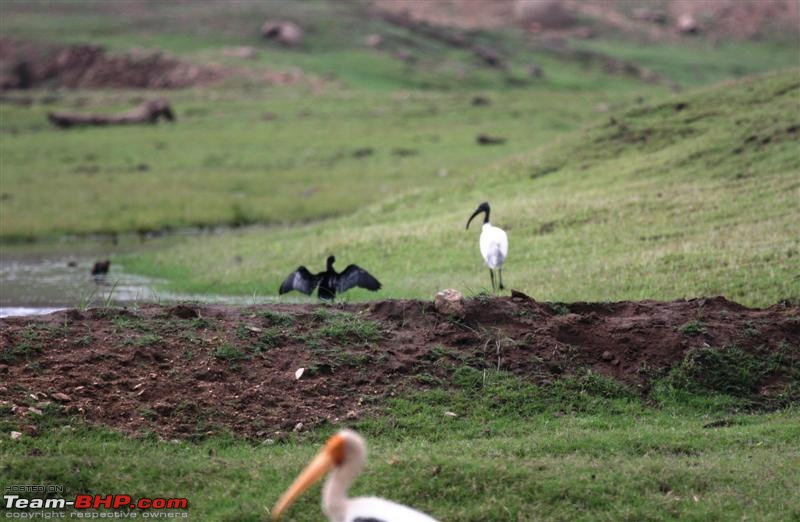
(344,450)
(483,207)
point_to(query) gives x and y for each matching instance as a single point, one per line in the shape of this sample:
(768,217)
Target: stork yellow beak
(330,456)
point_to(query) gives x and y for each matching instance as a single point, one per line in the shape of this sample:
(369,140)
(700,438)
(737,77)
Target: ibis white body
(494,245)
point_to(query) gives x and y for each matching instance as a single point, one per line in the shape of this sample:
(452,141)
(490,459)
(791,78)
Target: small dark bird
(329,281)
(101,267)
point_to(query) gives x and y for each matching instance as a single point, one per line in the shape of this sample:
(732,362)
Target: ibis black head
(483,207)
(331,261)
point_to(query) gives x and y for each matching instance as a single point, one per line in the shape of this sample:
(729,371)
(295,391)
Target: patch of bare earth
(25,64)
(658,20)
(191,371)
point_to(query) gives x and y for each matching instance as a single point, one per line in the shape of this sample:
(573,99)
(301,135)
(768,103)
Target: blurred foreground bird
(493,244)
(342,459)
(330,282)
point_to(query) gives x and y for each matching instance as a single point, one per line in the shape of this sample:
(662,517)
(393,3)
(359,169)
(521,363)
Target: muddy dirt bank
(28,64)
(192,370)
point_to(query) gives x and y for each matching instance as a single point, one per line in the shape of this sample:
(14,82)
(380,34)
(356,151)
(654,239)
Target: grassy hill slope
(246,153)
(265,156)
(695,194)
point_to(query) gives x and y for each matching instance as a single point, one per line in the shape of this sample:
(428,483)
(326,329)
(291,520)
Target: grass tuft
(693,328)
(276,318)
(230,353)
(349,328)
(726,371)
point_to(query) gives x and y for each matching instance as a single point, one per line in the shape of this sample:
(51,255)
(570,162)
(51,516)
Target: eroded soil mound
(190,371)
(721,19)
(26,64)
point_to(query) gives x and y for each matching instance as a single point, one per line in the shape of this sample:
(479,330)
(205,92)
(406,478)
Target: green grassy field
(381,166)
(708,190)
(587,451)
(224,163)
(609,188)
(693,194)
(244,153)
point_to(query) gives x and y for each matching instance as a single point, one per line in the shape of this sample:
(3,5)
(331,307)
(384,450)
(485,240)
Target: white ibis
(329,281)
(343,458)
(493,243)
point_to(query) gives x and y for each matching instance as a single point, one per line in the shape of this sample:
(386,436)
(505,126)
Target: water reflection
(43,278)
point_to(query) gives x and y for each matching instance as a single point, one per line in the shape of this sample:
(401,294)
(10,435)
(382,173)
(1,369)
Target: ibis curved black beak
(483,207)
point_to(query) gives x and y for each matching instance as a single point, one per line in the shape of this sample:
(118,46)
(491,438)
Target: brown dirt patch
(26,65)
(190,371)
(656,19)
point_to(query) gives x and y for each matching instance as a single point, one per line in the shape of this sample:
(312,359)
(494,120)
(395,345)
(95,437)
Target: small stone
(15,435)
(607,356)
(35,411)
(61,397)
(298,427)
(299,373)
(373,40)
(687,24)
(520,296)
(449,302)
(450,414)
(284,32)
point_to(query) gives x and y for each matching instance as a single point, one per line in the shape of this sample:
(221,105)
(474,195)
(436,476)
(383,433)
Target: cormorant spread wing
(354,275)
(301,280)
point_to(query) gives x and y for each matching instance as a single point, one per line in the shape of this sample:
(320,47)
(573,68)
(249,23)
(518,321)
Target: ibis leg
(491,273)
(500,273)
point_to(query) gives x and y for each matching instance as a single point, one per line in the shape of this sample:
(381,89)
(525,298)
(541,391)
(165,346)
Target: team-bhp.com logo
(19,507)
